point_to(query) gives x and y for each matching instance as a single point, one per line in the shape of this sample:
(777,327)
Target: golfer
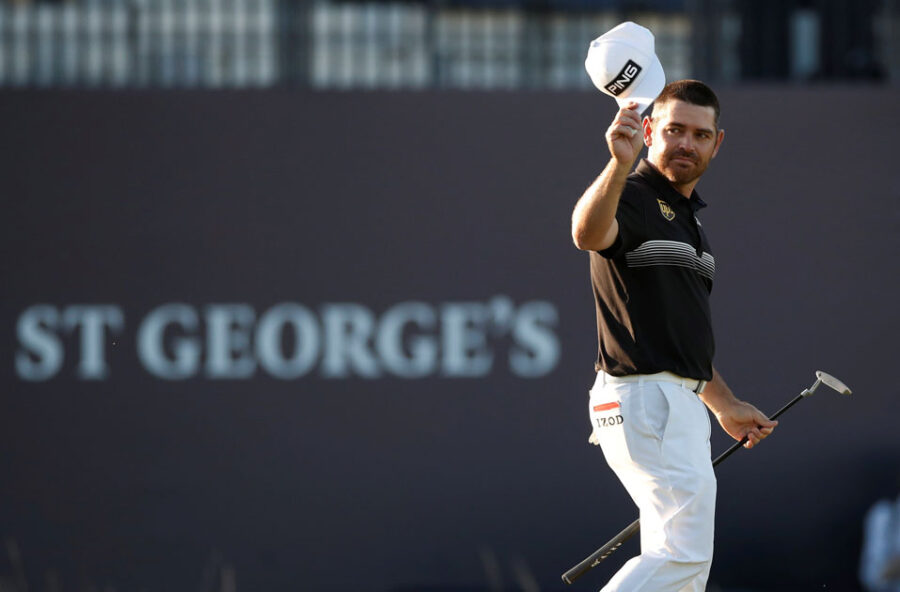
(652,271)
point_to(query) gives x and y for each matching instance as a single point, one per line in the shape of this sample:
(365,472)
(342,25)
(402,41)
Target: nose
(686,142)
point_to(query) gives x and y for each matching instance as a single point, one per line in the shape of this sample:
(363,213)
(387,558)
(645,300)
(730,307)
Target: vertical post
(701,42)
(294,43)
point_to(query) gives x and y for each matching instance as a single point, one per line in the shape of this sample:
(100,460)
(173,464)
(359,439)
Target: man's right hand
(594,224)
(625,137)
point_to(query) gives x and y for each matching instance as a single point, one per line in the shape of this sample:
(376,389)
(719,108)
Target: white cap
(623,64)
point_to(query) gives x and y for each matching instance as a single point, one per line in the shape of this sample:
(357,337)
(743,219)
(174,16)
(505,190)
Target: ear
(648,131)
(719,138)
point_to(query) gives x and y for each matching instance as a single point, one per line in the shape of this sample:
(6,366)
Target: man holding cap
(652,270)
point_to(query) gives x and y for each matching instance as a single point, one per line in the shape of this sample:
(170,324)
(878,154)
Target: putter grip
(602,553)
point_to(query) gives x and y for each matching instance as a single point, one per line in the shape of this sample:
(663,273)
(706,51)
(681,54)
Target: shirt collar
(656,180)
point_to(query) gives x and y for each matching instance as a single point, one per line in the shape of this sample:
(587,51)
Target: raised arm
(594,225)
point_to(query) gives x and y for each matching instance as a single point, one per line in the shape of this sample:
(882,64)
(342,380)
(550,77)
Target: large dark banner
(290,341)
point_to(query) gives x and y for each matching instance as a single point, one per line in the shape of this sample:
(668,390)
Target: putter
(594,559)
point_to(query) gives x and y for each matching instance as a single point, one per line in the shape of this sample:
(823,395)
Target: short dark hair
(689,91)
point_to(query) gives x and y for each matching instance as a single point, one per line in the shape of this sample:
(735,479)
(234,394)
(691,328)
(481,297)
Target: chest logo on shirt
(667,211)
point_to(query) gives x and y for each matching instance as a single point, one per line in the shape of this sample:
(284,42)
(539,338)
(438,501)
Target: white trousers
(655,437)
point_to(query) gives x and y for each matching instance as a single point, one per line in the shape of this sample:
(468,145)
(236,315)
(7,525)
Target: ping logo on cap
(623,79)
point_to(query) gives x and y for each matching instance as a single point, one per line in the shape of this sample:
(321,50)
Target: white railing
(114,43)
(351,45)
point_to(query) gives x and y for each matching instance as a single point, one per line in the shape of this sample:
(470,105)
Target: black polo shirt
(652,285)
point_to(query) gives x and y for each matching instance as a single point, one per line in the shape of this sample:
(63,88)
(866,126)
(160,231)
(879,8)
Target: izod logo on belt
(608,420)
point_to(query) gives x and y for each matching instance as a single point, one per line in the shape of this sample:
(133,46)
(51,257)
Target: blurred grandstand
(445,44)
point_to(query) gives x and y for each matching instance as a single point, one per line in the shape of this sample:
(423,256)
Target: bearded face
(683,139)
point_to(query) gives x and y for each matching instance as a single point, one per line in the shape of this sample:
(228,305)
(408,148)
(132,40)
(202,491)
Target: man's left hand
(743,419)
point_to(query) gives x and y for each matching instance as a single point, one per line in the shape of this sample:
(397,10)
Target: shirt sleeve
(630,216)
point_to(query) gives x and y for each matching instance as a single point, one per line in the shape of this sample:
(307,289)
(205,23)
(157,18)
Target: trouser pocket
(629,421)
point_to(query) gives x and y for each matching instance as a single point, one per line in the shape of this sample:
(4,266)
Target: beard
(679,172)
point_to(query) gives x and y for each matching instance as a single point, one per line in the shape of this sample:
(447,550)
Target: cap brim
(650,86)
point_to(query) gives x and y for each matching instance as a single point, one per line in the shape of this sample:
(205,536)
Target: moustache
(683,154)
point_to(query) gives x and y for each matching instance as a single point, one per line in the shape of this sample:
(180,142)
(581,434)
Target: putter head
(832,382)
